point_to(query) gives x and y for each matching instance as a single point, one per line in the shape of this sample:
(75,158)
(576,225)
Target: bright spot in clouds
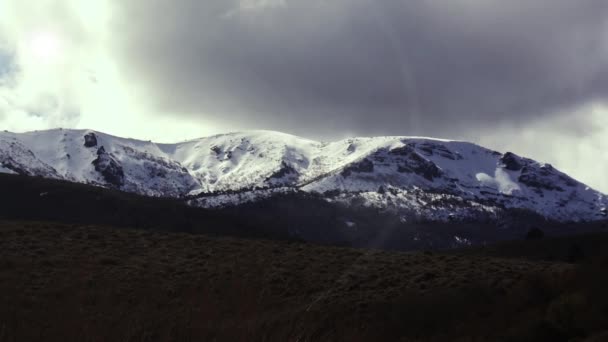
(46,46)
(62,69)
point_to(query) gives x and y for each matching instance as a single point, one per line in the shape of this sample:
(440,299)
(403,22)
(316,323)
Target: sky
(524,76)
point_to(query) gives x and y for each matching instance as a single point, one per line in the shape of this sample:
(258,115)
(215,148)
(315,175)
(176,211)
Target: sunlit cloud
(64,73)
(46,47)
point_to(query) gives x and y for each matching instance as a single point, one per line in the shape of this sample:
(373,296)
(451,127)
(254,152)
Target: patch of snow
(501,181)
(5,170)
(462,241)
(415,177)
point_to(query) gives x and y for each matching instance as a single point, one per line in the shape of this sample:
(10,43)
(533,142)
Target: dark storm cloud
(314,67)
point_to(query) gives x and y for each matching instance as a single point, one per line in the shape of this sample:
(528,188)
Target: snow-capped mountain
(414,178)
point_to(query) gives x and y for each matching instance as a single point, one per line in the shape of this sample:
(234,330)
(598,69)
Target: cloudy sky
(519,75)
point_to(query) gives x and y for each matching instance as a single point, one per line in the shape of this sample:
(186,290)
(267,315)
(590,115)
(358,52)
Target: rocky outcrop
(404,150)
(109,167)
(363,166)
(284,171)
(430,149)
(90,140)
(411,161)
(216,149)
(545,177)
(512,162)
(420,166)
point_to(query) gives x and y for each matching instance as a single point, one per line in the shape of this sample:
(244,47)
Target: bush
(575,253)
(535,234)
(565,313)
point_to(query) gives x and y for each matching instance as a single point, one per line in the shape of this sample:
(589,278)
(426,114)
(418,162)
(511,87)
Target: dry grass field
(69,282)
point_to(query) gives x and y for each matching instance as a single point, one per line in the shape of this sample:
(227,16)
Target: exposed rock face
(364,166)
(405,150)
(412,162)
(420,166)
(430,149)
(216,149)
(545,177)
(90,140)
(532,180)
(109,167)
(284,171)
(512,162)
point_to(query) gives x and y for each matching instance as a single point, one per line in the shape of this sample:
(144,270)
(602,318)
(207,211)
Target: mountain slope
(414,178)
(100,159)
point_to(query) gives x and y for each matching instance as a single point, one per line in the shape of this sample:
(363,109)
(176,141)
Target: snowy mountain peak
(417,178)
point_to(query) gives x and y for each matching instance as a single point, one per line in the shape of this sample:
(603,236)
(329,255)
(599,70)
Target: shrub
(575,253)
(535,234)
(565,312)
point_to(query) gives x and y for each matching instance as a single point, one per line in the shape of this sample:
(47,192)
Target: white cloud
(260,4)
(66,73)
(576,143)
(248,6)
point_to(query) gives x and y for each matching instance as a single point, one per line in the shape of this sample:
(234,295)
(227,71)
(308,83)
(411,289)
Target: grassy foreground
(70,282)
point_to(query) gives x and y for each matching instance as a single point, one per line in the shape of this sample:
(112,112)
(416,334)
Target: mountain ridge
(415,178)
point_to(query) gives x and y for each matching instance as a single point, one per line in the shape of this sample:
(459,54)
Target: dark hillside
(69,282)
(299,217)
(574,248)
(34,198)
